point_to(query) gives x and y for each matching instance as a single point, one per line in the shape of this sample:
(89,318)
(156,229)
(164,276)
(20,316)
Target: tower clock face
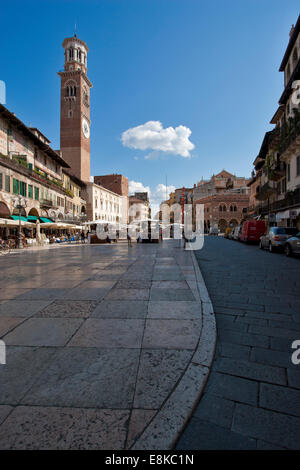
(85,128)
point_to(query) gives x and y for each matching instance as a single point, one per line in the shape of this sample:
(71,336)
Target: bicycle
(4,248)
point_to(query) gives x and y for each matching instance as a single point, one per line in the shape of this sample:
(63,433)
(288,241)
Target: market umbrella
(38,232)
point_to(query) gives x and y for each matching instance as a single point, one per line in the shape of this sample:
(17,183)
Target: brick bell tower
(75,108)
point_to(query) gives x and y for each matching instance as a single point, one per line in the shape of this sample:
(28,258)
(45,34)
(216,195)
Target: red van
(252,230)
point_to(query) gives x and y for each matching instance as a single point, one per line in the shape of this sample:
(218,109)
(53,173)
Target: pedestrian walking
(129,239)
(185,240)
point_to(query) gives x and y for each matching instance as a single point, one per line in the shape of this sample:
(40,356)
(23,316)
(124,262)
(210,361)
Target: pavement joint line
(136,379)
(165,428)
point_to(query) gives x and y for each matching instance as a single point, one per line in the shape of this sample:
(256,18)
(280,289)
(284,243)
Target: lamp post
(20,203)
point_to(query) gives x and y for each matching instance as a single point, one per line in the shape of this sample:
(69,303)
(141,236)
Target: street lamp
(20,204)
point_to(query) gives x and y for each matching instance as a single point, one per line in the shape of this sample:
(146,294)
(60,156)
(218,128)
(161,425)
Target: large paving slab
(107,345)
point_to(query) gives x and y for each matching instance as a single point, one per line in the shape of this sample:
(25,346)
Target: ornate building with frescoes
(31,168)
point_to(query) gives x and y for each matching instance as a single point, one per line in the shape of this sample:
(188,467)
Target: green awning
(45,220)
(16,217)
(32,218)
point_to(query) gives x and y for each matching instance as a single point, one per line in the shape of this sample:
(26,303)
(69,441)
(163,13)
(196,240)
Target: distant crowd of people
(82,237)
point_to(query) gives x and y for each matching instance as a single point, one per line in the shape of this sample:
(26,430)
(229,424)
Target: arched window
(220,209)
(71,90)
(235,208)
(231,208)
(224,208)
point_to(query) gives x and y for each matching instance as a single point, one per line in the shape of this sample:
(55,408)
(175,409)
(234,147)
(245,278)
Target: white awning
(15,223)
(287,214)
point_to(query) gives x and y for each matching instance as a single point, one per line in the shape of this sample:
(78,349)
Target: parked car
(276,237)
(292,245)
(252,230)
(236,232)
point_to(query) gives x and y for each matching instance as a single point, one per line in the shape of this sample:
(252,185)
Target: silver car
(276,237)
(292,245)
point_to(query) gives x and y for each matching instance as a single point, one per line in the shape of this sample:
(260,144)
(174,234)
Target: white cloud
(152,135)
(160,194)
(138,187)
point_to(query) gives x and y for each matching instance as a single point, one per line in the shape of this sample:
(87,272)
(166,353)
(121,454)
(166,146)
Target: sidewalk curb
(166,427)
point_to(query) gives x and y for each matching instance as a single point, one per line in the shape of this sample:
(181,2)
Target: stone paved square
(158,371)
(50,428)
(171,294)
(9,323)
(183,310)
(171,334)
(109,333)
(43,332)
(121,309)
(128,294)
(87,377)
(68,309)
(88,293)
(42,294)
(25,365)
(87,352)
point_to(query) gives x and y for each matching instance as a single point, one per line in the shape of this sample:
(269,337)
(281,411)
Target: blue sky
(211,67)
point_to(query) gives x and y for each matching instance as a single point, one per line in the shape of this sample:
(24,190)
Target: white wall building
(105,205)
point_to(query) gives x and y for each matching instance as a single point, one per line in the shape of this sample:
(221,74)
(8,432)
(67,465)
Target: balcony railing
(291,199)
(46,203)
(264,192)
(289,133)
(14,164)
(277,171)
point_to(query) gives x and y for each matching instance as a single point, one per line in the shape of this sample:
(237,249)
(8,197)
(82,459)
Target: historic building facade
(276,179)
(225,197)
(104,205)
(218,184)
(223,210)
(31,168)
